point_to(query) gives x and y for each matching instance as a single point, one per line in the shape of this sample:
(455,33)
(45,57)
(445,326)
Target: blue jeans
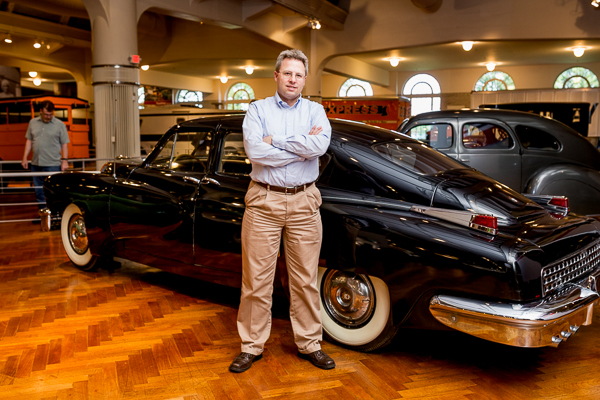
(38,181)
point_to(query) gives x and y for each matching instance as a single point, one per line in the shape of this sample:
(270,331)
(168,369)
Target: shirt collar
(283,104)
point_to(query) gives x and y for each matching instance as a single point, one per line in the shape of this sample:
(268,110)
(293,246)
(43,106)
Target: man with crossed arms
(284,135)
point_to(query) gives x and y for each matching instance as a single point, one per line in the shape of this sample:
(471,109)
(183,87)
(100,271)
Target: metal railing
(8,178)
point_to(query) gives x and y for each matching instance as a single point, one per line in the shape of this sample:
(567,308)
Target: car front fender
(580,184)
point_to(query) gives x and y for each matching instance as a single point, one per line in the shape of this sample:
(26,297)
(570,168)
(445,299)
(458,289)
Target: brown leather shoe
(319,359)
(243,362)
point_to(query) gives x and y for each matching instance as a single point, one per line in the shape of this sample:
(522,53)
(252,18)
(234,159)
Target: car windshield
(416,157)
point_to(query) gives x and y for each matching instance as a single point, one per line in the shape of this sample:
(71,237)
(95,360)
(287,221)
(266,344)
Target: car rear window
(477,135)
(438,136)
(533,138)
(416,157)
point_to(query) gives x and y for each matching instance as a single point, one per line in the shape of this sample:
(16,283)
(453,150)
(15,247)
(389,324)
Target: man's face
(46,115)
(290,79)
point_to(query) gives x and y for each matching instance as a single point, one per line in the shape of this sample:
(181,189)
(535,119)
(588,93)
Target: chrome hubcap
(77,234)
(349,300)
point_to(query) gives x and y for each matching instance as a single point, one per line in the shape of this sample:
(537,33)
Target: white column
(114,77)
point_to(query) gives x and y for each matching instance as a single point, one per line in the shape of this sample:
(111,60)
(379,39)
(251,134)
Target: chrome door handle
(464,160)
(207,180)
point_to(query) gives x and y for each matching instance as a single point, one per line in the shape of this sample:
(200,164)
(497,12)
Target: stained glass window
(239,96)
(494,81)
(576,78)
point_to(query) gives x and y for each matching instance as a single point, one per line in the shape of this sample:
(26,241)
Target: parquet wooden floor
(140,333)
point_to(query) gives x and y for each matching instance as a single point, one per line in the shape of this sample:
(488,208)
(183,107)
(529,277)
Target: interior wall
(456,84)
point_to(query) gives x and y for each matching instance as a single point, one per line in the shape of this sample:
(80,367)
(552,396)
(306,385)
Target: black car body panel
(393,215)
(529,153)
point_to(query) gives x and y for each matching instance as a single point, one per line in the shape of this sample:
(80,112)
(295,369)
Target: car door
(489,146)
(220,207)
(152,210)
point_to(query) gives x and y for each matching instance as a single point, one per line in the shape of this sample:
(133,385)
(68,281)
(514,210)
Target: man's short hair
(294,54)
(47,104)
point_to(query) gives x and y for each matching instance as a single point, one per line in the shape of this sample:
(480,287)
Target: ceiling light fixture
(37,81)
(32,74)
(314,23)
(394,62)
(37,44)
(145,67)
(490,66)
(467,45)
(250,70)
(224,79)
(596,3)
(578,51)
(8,38)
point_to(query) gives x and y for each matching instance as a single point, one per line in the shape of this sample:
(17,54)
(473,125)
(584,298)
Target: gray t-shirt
(46,140)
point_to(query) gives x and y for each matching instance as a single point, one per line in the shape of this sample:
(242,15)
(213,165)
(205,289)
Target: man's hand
(64,165)
(25,164)
(315,130)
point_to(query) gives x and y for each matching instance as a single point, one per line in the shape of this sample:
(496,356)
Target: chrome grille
(571,268)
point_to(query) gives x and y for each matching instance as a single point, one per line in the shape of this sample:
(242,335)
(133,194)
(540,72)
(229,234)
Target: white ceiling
(63,23)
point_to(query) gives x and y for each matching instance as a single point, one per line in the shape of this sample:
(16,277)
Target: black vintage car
(528,152)
(412,238)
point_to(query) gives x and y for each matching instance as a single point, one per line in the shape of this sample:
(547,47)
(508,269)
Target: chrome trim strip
(116,83)
(115,66)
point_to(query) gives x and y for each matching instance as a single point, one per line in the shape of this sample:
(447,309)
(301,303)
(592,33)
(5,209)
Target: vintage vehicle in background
(529,153)
(385,112)
(16,112)
(412,238)
(155,121)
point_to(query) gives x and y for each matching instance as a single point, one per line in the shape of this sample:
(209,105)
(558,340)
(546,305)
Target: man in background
(48,137)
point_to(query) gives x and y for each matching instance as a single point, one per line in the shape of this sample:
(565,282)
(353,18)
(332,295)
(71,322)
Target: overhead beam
(353,68)
(175,81)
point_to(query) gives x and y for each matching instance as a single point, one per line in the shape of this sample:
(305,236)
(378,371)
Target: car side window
(479,135)
(438,136)
(536,139)
(184,151)
(233,155)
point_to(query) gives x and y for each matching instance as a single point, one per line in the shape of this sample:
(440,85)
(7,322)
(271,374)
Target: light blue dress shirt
(293,158)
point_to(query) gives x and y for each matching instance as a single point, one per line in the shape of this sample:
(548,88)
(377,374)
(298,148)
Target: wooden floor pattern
(140,333)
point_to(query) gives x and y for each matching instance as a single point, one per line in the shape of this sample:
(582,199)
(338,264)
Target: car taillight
(559,201)
(486,223)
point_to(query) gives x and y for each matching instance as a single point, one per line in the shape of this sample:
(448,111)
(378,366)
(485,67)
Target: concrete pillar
(312,89)
(114,77)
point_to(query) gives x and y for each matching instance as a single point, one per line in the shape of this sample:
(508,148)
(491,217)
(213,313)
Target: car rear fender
(580,184)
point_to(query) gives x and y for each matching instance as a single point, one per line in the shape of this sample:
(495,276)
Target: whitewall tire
(355,310)
(74,237)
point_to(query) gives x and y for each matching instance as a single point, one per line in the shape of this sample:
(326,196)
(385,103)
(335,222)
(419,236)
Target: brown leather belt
(286,190)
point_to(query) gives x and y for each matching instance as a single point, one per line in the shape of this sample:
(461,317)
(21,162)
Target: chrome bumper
(540,323)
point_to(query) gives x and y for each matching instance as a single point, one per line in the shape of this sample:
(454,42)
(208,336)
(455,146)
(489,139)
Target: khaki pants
(269,217)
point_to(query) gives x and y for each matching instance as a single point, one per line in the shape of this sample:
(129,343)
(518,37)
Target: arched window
(355,87)
(494,81)
(576,78)
(420,89)
(189,96)
(239,96)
